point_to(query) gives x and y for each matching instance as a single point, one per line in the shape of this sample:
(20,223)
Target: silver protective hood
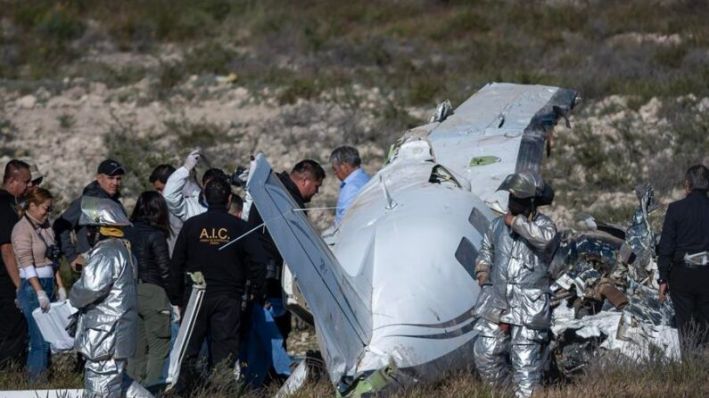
(102,211)
(524,184)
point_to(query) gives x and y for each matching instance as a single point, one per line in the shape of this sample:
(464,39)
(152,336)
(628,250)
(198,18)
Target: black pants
(692,315)
(13,333)
(218,321)
(689,290)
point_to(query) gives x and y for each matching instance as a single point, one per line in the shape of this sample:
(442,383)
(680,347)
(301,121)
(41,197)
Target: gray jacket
(106,297)
(516,259)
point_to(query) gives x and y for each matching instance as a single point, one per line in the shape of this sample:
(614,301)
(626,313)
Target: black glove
(73,323)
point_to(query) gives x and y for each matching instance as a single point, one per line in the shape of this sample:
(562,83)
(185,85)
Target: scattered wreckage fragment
(189,317)
(607,296)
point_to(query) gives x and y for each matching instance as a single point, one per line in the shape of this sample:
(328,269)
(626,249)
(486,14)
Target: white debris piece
(637,341)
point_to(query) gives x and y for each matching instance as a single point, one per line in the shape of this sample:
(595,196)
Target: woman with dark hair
(34,247)
(148,238)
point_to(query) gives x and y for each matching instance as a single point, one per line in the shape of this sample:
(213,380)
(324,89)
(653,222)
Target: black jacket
(8,219)
(225,271)
(68,222)
(685,230)
(149,246)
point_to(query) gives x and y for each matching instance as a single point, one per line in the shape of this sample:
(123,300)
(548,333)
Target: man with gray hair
(683,258)
(346,164)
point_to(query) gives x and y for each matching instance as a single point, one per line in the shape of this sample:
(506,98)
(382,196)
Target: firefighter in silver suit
(105,296)
(513,308)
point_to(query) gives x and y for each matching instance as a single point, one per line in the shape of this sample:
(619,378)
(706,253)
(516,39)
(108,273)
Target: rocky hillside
(66,131)
(147,81)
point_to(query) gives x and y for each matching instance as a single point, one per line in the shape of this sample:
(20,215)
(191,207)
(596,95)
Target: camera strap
(38,231)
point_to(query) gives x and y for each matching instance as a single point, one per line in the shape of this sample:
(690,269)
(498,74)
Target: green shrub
(60,26)
(210,57)
(298,88)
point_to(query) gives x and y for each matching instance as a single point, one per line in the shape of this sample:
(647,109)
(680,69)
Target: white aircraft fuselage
(395,290)
(422,294)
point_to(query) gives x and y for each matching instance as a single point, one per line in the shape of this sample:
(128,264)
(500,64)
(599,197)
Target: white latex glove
(43,300)
(176,313)
(61,294)
(192,159)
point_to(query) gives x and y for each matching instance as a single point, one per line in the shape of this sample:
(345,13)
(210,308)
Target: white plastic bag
(52,325)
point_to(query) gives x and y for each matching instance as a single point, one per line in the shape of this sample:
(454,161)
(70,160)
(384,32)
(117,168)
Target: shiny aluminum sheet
(183,336)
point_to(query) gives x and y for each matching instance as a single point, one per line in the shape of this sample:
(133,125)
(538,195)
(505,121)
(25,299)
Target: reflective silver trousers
(498,354)
(108,379)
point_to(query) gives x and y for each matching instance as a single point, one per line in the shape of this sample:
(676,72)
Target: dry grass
(608,376)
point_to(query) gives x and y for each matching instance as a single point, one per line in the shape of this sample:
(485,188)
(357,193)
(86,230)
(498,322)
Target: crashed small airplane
(391,291)
(392,296)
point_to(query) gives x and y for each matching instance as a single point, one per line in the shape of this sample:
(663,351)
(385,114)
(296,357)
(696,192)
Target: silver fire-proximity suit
(515,262)
(106,296)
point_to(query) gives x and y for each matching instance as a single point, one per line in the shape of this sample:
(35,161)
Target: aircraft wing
(499,130)
(342,320)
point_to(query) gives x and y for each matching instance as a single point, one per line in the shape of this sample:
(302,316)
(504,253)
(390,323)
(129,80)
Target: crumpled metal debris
(443,110)
(637,259)
(606,296)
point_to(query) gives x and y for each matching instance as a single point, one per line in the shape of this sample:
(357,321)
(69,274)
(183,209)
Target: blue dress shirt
(349,188)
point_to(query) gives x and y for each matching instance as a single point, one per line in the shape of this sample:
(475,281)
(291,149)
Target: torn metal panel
(342,319)
(506,122)
(295,381)
(637,262)
(179,349)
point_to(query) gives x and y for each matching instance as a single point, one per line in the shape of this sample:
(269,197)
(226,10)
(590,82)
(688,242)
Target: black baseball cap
(110,168)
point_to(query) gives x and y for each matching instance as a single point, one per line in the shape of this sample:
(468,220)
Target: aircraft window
(478,220)
(466,255)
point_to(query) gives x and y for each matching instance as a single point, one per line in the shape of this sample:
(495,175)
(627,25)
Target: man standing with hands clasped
(683,258)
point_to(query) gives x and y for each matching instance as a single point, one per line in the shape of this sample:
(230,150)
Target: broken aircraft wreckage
(391,291)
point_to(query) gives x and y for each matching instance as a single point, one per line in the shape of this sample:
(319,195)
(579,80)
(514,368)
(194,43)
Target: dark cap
(110,168)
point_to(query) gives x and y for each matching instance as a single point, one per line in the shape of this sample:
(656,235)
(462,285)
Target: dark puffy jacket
(68,222)
(149,246)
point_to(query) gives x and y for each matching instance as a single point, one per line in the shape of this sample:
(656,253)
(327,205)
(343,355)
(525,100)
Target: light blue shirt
(349,188)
